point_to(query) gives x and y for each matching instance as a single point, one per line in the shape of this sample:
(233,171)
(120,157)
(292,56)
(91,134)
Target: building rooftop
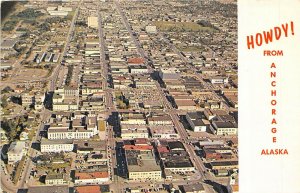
(46,141)
(49,189)
(174,145)
(193,187)
(90,175)
(54,176)
(16,147)
(141,161)
(88,189)
(222,124)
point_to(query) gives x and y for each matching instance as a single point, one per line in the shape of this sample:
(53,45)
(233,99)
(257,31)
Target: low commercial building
(217,152)
(8,44)
(54,179)
(56,145)
(134,131)
(138,69)
(174,157)
(49,189)
(163,132)
(151,29)
(224,128)
(193,188)
(66,133)
(219,80)
(160,120)
(87,189)
(224,165)
(133,118)
(185,104)
(85,178)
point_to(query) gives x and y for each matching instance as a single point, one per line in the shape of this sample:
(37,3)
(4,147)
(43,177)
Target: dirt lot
(30,74)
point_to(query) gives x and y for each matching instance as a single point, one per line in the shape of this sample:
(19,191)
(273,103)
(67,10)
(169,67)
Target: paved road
(6,184)
(56,71)
(45,115)
(129,29)
(173,112)
(104,64)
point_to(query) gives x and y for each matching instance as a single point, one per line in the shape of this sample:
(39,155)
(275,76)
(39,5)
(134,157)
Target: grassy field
(70,15)
(180,26)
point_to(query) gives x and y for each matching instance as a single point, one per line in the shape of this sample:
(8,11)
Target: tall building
(141,163)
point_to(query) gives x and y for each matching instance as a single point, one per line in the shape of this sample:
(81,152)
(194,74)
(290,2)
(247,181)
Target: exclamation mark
(292,27)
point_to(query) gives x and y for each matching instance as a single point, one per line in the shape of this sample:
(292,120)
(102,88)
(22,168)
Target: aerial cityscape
(119,96)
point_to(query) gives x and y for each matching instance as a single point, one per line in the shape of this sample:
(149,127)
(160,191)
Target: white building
(151,29)
(28,99)
(160,120)
(224,128)
(54,179)
(132,118)
(195,121)
(66,133)
(88,178)
(219,80)
(16,151)
(56,145)
(58,13)
(134,131)
(93,22)
(169,74)
(163,132)
(145,167)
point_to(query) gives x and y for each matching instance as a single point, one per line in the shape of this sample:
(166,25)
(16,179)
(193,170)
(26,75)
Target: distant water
(6,8)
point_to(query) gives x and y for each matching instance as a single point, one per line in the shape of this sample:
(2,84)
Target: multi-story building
(163,132)
(160,120)
(224,128)
(133,118)
(28,99)
(195,121)
(66,133)
(141,163)
(169,74)
(56,145)
(54,179)
(39,101)
(174,157)
(130,131)
(65,99)
(16,151)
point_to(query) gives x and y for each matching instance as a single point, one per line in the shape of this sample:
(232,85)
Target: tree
(45,27)
(29,13)
(4,102)
(6,90)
